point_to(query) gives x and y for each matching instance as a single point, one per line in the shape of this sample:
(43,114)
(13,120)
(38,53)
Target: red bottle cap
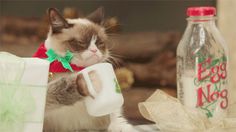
(201,11)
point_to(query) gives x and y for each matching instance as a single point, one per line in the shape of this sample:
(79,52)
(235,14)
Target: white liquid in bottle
(189,91)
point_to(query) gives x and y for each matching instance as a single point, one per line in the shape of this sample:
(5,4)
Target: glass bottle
(202,64)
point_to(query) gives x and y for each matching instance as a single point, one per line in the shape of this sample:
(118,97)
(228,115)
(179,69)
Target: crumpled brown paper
(171,116)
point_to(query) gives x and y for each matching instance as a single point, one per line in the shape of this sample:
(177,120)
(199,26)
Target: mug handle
(89,84)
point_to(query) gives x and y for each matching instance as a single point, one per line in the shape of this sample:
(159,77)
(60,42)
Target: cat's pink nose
(93,50)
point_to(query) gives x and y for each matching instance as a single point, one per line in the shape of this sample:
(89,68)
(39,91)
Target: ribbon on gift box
(16,100)
(171,116)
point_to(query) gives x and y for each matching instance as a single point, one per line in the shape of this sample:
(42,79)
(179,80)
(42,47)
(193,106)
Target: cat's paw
(82,85)
(119,127)
(95,79)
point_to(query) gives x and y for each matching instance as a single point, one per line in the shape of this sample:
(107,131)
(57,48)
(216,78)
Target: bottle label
(211,83)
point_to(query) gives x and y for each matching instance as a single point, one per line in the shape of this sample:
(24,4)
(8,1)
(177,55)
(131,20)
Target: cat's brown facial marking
(83,41)
(84,37)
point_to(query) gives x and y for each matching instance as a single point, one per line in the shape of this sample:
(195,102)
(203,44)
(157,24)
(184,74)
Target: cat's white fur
(75,117)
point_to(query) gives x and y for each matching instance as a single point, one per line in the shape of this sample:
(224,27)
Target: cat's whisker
(113,34)
(111,53)
(111,26)
(115,61)
(110,61)
(116,55)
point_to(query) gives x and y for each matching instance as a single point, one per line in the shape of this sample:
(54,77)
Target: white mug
(104,89)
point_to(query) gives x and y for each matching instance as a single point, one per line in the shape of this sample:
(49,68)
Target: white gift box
(35,76)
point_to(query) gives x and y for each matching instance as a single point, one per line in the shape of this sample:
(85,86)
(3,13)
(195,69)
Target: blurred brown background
(145,38)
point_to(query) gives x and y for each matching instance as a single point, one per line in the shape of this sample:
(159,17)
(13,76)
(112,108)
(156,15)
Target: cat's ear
(97,16)
(57,21)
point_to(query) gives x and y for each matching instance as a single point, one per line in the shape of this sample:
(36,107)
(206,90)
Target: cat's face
(84,37)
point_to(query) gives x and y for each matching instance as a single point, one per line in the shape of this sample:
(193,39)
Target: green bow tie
(65,61)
